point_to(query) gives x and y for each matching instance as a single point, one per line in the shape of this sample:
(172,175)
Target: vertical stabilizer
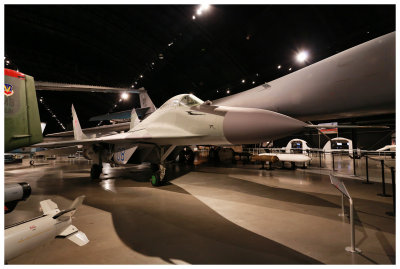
(134,119)
(78,134)
(145,101)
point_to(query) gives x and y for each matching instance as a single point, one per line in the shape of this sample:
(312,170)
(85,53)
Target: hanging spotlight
(204,6)
(124,96)
(302,56)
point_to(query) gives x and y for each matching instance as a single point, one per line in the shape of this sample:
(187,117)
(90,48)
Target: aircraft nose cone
(249,126)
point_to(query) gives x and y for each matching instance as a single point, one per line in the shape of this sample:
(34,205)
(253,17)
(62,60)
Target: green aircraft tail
(21,112)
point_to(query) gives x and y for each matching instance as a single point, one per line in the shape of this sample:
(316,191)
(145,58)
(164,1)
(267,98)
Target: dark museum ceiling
(113,45)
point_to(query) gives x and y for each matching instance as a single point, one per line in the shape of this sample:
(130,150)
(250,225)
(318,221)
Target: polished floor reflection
(235,214)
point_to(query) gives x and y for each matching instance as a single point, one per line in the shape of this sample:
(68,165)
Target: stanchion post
(320,162)
(352,248)
(393,172)
(354,162)
(366,171)
(342,214)
(333,161)
(383,180)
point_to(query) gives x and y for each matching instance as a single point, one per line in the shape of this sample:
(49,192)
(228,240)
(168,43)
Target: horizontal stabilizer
(49,207)
(79,238)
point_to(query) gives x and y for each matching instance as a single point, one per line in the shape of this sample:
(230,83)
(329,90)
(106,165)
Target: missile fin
(49,207)
(79,238)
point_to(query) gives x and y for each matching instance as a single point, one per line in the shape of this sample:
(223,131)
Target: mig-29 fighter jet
(182,120)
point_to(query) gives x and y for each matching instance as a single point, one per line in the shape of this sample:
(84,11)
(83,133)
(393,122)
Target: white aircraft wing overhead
(129,137)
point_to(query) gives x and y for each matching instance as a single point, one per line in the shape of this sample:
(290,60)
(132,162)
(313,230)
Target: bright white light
(253,82)
(228,91)
(302,56)
(199,11)
(141,76)
(290,69)
(7,62)
(124,96)
(279,66)
(193,17)
(243,81)
(133,86)
(204,6)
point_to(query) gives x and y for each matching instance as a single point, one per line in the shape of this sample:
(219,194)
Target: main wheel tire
(158,175)
(95,171)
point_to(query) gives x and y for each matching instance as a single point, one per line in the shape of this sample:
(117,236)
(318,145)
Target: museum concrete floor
(233,214)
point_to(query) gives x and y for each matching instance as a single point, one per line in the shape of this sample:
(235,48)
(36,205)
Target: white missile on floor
(284,157)
(27,235)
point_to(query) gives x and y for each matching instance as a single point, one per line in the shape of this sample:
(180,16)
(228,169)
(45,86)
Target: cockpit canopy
(188,100)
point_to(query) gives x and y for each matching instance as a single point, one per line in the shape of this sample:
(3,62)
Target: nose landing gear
(95,171)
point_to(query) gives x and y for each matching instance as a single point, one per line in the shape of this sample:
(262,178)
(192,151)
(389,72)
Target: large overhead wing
(52,86)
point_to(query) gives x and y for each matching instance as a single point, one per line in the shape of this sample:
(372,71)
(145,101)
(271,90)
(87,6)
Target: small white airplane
(388,148)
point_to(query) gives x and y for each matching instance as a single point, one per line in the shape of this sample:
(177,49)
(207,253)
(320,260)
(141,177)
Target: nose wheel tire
(158,174)
(95,171)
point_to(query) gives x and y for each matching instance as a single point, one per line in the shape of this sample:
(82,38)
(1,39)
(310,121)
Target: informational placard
(338,184)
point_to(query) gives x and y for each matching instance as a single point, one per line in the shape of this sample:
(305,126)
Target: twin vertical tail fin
(145,101)
(78,134)
(134,119)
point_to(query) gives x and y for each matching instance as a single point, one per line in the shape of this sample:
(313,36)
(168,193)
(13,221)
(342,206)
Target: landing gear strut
(158,174)
(95,171)
(159,170)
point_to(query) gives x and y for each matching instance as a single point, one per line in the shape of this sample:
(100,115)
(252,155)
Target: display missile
(14,193)
(27,235)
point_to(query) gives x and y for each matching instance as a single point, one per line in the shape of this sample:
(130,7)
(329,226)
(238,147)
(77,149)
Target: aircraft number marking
(121,154)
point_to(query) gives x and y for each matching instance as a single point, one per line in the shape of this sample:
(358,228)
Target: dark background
(112,45)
